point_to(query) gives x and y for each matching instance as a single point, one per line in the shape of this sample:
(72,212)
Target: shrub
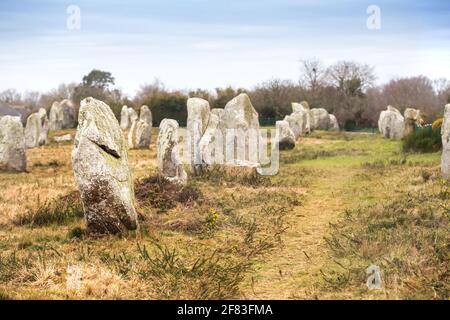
(423,140)
(437,124)
(60,211)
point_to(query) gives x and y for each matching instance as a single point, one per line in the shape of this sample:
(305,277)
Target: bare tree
(351,78)
(312,74)
(11,96)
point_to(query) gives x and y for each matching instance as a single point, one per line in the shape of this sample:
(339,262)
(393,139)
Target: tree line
(346,89)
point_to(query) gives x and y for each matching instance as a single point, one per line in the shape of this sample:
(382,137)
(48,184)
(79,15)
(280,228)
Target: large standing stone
(36,129)
(62,115)
(12,145)
(412,118)
(334,124)
(169,162)
(198,116)
(241,116)
(320,119)
(100,164)
(391,123)
(139,135)
(445,130)
(285,136)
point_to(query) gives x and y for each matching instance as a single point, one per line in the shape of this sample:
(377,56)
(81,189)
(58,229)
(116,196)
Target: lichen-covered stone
(391,123)
(139,135)
(240,115)
(320,119)
(12,145)
(445,131)
(412,118)
(100,165)
(43,137)
(198,116)
(62,115)
(211,143)
(301,112)
(36,129)
(146,115)
(125,118)
(294,125)
(334,124)
(285,136)
(169,162)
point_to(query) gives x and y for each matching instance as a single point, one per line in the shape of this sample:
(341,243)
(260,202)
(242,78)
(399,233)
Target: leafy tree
(98,79)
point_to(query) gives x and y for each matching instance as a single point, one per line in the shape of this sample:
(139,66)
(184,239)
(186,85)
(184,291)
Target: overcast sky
(210,43)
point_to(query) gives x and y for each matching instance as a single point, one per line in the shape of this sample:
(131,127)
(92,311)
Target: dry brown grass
(221,236)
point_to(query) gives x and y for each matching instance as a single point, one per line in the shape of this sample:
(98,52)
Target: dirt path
(292,271)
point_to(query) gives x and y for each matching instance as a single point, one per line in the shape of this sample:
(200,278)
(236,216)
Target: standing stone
(12,145)
(334,124)
(62,115)
(133,115)
(294,125)
(301,112)
(69,114)
(169,162)
(391,123)
(146,115)
(240,115)
(285,136)
(139,135)
(124,118)
(211,143)
(43,137)
(412,118)
(320,119)
(445,131)
(198,116)
(56,116)
(36,129)
(100,164)
(32,131)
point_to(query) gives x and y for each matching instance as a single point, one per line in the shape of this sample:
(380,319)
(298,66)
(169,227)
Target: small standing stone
(139,135)
(285,136)
(124,118)
(334,124)
(412,118)
(169,162)
(36,129)
(198,116)
(12,145)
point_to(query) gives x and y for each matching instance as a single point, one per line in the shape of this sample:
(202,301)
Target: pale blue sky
(210,43)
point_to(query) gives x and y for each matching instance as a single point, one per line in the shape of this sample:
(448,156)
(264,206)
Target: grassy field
(340,203)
